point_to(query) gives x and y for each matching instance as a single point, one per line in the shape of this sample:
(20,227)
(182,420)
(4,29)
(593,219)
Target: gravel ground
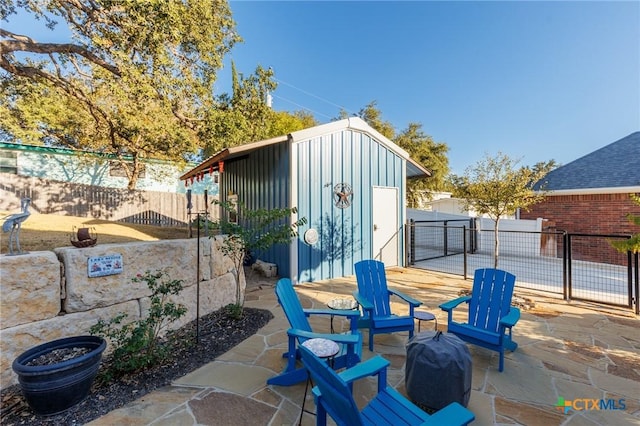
(218,334)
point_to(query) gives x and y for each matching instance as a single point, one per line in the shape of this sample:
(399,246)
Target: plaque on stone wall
(100,266)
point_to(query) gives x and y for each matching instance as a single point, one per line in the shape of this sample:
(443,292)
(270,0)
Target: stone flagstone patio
(573,351)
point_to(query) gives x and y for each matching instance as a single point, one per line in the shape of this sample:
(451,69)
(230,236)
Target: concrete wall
(49,295)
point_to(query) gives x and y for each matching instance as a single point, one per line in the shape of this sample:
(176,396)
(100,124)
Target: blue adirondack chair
(491,315)
(373,296)
(333,395)
(350,343)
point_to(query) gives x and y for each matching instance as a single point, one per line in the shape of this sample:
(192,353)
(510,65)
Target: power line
(315,96)
(301,106)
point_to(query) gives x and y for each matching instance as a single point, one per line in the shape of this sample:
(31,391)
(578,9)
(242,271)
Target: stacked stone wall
(48,295)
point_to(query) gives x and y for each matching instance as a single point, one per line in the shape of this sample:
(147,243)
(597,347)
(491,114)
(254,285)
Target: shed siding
(261,180)
(345,235)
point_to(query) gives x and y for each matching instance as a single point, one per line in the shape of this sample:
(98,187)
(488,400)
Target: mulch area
(218,334)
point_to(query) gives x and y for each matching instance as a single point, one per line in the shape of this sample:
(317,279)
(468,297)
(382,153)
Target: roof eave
(590,191)
(212,163)
(420,171)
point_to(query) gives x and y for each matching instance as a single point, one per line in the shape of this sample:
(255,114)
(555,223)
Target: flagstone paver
(565,350)
(526,414)
(149,407)
(237,410)
(232,377)
(181,417)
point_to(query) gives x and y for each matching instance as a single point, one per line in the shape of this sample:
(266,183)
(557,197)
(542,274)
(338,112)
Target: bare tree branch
(19,43)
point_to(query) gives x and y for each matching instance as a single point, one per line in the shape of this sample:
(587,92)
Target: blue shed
(344,177)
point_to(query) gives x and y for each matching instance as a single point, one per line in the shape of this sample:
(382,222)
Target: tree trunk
(133,181)
(133,172)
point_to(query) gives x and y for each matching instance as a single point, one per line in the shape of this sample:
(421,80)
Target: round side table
(425,316)
(341,304)
(322,348)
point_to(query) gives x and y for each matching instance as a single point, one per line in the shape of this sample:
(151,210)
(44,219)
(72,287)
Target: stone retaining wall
(48,295)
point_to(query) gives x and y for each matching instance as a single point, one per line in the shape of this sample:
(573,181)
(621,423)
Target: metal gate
(596,272)
(431,239)
(576,266)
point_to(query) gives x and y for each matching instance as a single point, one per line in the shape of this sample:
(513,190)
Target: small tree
(253,231)
(495,187)
(137,344)
(633,243)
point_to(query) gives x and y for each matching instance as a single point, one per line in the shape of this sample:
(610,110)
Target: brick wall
(603,214)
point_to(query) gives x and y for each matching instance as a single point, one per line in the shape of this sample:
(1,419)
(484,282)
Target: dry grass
(41,232)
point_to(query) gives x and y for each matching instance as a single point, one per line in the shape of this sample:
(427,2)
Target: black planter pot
(52,389)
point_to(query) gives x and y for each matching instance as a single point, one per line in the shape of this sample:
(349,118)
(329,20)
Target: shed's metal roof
(616,165)
(414,169)
(212,162)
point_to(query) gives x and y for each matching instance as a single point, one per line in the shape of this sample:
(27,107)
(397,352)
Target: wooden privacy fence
(115,204)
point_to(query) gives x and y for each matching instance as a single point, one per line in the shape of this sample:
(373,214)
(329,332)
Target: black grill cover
(438,370)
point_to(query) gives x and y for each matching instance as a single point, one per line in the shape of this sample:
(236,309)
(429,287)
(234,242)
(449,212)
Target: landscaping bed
(218,334)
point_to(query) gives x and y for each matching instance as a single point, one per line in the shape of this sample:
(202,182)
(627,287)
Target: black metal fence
(431,239)
(597,272)
(575,266)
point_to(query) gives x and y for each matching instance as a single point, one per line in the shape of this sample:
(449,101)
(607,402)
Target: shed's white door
(385,225)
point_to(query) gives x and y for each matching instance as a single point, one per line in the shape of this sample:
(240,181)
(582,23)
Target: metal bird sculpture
(14,222)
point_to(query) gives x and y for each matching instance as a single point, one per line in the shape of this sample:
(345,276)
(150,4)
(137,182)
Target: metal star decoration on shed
(343,195)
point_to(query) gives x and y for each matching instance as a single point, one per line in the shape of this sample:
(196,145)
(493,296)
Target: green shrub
(137,344)
(203,222)
(255,230)
(233,310)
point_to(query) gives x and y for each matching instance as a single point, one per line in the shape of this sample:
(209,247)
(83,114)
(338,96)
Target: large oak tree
(135,79)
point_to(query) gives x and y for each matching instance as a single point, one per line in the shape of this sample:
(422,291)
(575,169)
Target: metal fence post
(473,240)
(198,284)
(464,250)
(412,230)
(445,242)
(566,267)
(637,273)
(189,207)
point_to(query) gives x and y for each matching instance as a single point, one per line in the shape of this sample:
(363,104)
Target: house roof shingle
(616,165)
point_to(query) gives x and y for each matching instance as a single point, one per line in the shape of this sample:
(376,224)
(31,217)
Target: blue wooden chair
(373,296)
(491,315)
(333,396)
(350,343)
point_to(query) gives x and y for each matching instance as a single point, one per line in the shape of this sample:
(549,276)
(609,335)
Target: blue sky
(534,80)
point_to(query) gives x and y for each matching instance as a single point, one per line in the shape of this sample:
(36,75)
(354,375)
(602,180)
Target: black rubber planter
(52,389)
